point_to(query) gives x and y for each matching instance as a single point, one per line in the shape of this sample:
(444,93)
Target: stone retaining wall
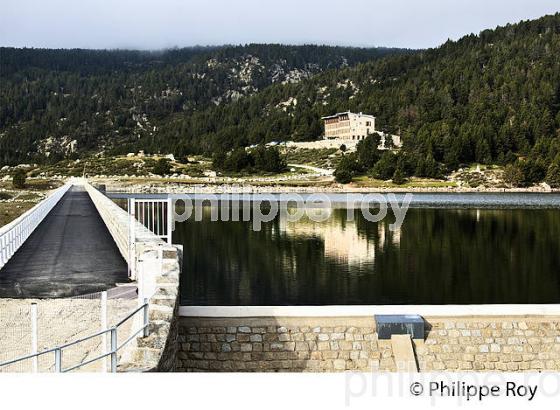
(351,343)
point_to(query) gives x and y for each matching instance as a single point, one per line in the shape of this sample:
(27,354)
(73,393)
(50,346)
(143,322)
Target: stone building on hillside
(348,126)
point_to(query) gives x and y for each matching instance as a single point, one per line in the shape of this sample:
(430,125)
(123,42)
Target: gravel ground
(60,321)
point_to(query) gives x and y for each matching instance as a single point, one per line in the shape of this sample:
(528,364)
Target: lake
(451,249)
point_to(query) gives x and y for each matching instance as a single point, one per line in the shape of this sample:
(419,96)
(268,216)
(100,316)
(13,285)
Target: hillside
(57,102)
(487,98)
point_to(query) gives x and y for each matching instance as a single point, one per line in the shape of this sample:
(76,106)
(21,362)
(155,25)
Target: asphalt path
(70,253)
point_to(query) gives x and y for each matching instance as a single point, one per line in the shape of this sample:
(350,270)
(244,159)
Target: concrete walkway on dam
(70,253)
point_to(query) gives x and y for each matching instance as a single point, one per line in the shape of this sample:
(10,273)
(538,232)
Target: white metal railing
(14,234)
(112,353)
(154,214)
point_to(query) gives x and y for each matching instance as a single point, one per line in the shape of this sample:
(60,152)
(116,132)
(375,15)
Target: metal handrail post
(114,347)
(169,220)
(146,318)
(34,337)
(131,217)
(104,327)
(58,360)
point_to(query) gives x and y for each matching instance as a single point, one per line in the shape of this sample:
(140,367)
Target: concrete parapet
(116,219)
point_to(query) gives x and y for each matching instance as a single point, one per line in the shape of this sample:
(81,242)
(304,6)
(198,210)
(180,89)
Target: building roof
(328,117)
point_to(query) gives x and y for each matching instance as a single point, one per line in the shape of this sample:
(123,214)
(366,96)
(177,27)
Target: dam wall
(351,343)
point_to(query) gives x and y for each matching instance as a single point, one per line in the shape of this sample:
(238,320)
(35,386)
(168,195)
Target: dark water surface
(439,256)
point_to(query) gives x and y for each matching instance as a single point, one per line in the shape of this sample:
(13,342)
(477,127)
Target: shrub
(385,167)
(343,176)
(19,177)
(162,167)
(398,176)
(346,169)
(367,152)
(239,160)
(513,175)
(268,159)
(218,160)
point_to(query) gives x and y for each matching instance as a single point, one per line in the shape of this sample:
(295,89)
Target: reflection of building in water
(385,235)
(342,240)
(396,236)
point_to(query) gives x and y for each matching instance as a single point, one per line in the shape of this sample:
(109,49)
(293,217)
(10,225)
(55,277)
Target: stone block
(297,337)
(465,366)
(339,364)
(468,358)
(290,346)
(246,347)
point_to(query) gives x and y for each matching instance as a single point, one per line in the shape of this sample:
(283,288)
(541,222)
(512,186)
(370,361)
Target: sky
(157,24)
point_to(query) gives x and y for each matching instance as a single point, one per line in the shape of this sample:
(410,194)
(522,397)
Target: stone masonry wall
(339,344)
(159,350)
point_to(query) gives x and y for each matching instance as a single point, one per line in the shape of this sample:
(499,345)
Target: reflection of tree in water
(440,256)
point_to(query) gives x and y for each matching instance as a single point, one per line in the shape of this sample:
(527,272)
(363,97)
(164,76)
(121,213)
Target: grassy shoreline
(16,201)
